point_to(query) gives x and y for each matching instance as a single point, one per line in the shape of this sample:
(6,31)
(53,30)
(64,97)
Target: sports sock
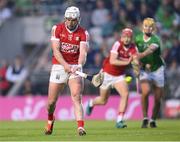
(120,116)
(80,123)
(145,118)
(91,103)
(152,120)
(50,118)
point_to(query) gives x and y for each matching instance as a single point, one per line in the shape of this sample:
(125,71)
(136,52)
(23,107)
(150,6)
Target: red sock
(80,123)
(50,117)
(121,113)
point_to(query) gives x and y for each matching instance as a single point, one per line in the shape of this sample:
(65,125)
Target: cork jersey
(123,54)
(154,59)
(69,42)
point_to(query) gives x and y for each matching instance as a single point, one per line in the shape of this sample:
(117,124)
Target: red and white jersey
(69,42)
(123,53)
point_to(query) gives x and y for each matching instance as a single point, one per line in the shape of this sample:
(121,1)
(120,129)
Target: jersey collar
(72,30)
(146,40)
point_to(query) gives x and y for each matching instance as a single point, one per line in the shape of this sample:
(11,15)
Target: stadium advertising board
(34,108)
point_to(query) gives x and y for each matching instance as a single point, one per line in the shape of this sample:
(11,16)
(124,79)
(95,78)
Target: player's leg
(122,89)
(100,100)
(53,92)
(158,78)
(104,94)
(57,81)
(76,86)
(145,89)
(158,93)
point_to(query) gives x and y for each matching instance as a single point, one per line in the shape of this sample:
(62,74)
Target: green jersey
(154,59)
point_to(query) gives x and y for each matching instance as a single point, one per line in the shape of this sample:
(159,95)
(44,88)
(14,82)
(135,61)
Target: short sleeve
(156,42)
(135,50)
(55,33)
(115,47)
(85,38)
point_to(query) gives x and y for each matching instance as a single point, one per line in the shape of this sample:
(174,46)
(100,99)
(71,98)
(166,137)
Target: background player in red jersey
(113,67)
(69,44)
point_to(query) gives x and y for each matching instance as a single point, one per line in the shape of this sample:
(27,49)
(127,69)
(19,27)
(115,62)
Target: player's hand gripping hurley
(96,79)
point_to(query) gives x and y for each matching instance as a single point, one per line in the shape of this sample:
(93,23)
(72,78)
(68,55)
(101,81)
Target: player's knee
(145,92)
(76,98)
(125,96)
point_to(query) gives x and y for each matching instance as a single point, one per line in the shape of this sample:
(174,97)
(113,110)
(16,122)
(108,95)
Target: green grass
(168,130)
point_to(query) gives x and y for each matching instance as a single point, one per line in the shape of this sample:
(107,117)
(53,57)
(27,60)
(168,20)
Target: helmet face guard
(149,26)
(72,17)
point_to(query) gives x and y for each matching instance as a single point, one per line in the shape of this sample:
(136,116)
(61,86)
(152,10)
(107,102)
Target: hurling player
(69,45)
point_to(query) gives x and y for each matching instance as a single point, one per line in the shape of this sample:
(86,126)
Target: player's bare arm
(118,62)
(82,56)
(58,56)
(148,51)
(83,53)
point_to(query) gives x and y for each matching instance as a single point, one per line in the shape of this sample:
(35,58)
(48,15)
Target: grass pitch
(168,130)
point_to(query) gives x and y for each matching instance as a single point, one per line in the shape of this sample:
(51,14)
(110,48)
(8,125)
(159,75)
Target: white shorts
(157,76)
(58,74)
(110,80)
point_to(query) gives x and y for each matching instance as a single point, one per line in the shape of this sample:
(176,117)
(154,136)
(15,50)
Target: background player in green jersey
(152,69)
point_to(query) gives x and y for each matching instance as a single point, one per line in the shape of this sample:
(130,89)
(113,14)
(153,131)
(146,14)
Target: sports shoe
(89,109)
(120,124)
(81,131)
(145,123)
(153,124)
(49,127)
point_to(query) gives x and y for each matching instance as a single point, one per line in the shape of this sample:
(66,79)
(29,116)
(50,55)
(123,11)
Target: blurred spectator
(4,84)
(177,6)
(152,5)
(108,28)
(165,16)
(132,14)
(96,35)
(115,8)
(107,44)
(174,53)
(16,72)
(144,11)
(97,63)
(100,14)
(26,89)
(23,7)
(121,21)
(176,22)
(5,12)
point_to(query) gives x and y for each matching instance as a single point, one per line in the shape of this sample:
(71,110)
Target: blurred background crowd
(25,52)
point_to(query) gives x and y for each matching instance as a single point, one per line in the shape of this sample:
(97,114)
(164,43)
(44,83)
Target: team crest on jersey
(70,37)
(62,35)
(77,38)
